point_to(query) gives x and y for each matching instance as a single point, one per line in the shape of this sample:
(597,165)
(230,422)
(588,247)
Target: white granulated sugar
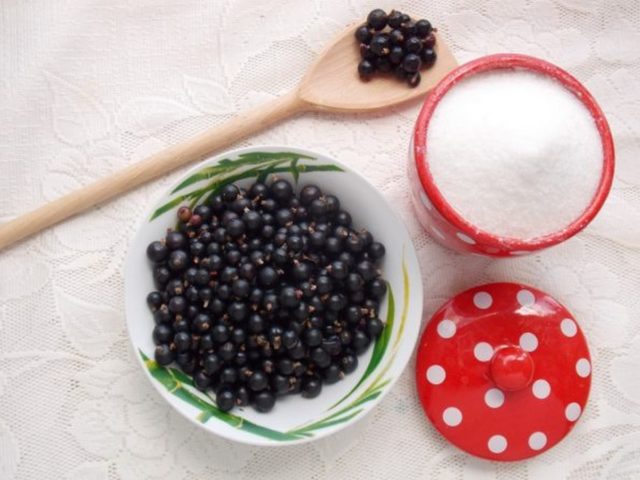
(514,153)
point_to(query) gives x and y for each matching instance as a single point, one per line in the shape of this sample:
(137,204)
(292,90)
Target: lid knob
(511,368)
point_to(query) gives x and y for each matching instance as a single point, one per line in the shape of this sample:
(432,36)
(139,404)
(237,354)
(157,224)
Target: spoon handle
(158,164)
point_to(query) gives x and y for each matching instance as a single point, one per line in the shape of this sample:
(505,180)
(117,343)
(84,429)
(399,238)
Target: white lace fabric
(89,87)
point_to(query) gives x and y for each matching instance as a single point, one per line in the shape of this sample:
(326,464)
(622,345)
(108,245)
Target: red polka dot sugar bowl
(503,371)
(496,147)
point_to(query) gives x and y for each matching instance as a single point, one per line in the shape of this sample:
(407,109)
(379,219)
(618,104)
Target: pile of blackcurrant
(395,43)
(265,292)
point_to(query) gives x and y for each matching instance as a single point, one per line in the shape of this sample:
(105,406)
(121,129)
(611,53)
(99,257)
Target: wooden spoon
(331,84)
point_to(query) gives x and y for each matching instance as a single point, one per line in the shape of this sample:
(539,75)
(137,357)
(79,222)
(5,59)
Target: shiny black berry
(413,79)
(408,28)
(258,189)
(157,251)
(242,397)
(267,276)
(309,193)
(411,63)
(154,300)
(264,402)
(377,19)
(312,337)
(376,250)
(258,381)
(366,269)
(235,228)
(182,342)
(380,44)
(349,363)
(279,384)
(332,374)
(363,34)
(365,70)
(201,380)
(374,327)
(394,19)
(413,45)
(229,375)
(378,288)
(162,334)
(332,204)
(311,387)
(175,240)
(429,57)
(229,193)
(338,270)
(163,354)
(225,399)
(360,342)
(396,38)
(320,357)
(178,260)
(324,284)
(423,28)
(227,351)
(281,190)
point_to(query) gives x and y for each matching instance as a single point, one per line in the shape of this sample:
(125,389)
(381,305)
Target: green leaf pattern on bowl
(258,165)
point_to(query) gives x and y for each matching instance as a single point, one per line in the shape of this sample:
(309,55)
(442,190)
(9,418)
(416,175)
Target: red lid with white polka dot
(503,371)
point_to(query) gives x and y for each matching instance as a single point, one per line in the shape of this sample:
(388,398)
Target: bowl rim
(417,289)
(512,61)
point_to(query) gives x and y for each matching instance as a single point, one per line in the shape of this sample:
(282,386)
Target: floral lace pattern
(87,88)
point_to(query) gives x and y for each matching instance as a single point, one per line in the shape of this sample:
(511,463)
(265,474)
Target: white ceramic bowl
(293,419)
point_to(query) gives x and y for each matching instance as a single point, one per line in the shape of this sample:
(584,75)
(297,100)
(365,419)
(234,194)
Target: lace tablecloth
(87,87)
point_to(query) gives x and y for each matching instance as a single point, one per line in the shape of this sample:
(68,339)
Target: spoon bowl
(332,82)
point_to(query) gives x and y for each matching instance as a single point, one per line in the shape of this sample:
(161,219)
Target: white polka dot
(483,351)
(528,342)
(497,444)
(494,398)
(568,327)
(537,440)
(446,329)
(437,233)
(583,367)
(541,389)
(452,416)
(436,374)
(425,201)
(465,238)
(572,412)
(526,298)
(482,300)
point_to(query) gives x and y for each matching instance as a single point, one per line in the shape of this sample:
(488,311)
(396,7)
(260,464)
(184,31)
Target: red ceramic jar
(434,212)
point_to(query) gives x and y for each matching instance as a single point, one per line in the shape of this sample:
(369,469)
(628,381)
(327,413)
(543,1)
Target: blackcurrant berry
(377,19)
